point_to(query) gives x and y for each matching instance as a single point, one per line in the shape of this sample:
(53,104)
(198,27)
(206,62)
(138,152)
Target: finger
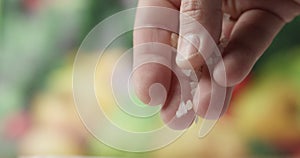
(203,96)
(145,75)
(286,10)
(251,35)
(196,18)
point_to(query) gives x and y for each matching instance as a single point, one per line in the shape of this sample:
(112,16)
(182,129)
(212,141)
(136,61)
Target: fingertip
(231,72)
(147,83)
(219,75)
(210,100)
(140,89)
(202,105)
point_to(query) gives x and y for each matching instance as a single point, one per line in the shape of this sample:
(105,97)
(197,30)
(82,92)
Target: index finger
(146,75)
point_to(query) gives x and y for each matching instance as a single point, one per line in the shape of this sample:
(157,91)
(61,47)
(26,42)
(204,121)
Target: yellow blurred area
(270,111)
(57,129)
(262,111)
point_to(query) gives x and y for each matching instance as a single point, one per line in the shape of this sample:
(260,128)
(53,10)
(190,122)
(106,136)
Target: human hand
(252,26)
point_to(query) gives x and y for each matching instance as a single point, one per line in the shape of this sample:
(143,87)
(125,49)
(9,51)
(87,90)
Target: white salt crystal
(187,72)
(189,105)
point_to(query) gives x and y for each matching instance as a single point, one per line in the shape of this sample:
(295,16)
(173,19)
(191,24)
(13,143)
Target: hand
(252,26)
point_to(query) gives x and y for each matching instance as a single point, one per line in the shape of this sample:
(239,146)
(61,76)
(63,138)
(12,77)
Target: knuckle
(190,5)
(199,10)
(192,10)
(192,16)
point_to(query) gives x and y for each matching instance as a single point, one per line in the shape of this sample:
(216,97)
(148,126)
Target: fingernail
(223,44)
(220,75)
(187,47)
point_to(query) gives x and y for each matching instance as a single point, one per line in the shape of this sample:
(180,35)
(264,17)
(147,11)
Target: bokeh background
(38,41)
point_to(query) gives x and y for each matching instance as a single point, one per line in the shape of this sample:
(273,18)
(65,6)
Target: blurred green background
(38,41)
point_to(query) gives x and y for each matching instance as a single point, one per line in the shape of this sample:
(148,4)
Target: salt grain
(193,84)
(189,105)
(187,72)
(184,108)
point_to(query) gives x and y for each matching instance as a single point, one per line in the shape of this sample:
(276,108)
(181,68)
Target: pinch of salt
(187,72)
(181,110)
(193,84)
(178,114)
(189,105)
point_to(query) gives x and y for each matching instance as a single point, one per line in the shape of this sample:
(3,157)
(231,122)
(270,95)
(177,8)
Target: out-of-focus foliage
(285,40)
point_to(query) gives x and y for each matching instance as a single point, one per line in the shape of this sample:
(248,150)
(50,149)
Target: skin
(252,26)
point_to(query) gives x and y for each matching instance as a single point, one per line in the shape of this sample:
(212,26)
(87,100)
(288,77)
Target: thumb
(196,19)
